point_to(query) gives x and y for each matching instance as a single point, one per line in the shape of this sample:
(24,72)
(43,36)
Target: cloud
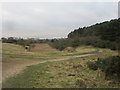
(50,19)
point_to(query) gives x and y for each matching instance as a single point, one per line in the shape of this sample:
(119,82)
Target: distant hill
(102,35)
(109,30)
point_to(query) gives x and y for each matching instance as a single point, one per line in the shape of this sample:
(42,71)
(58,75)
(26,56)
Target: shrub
(110,66)
(92,65)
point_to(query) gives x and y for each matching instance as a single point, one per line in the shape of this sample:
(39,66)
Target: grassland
(71,73)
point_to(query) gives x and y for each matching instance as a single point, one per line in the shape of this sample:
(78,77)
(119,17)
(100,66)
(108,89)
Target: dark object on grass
(71,74)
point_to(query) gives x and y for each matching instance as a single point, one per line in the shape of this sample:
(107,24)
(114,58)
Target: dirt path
(14,67)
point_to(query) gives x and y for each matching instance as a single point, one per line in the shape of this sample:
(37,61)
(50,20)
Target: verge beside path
(15,67)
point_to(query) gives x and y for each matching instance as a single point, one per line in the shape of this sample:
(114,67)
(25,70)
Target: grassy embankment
(41,51)
(62,74)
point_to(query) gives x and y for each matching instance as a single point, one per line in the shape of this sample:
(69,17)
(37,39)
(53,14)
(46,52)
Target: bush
(59,44)
(110,66)
(92,65)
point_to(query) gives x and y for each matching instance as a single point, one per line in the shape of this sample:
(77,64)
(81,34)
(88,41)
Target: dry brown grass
(43,47)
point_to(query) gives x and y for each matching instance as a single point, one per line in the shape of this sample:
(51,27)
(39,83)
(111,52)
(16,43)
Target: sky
(53,19)
(119,9)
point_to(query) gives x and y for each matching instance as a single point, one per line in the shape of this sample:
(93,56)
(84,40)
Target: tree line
(102,35)
(24,42)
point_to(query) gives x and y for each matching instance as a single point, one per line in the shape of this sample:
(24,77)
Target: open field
(17,58)
(60,69)
(60,45)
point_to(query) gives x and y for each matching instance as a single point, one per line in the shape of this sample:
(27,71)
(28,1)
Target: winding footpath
(16,67)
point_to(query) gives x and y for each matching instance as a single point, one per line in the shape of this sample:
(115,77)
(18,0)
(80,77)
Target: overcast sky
(53,20)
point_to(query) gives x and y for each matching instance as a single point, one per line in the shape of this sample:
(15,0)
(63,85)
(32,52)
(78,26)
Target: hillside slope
(109,30)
